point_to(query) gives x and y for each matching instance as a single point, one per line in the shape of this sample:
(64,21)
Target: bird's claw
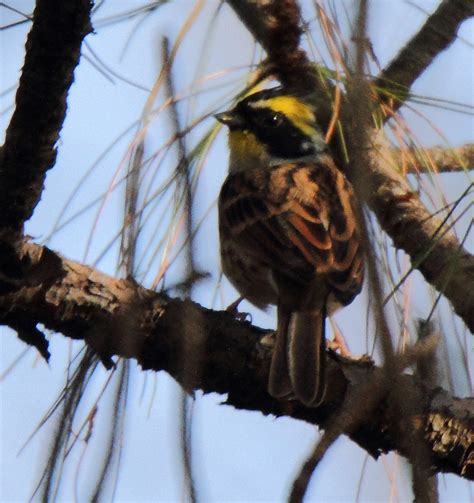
(234,311)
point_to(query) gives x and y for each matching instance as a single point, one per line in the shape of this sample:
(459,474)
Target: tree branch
(434,250)
(436,35)
(52,53)
(435,159)
(119,317)
(276,25)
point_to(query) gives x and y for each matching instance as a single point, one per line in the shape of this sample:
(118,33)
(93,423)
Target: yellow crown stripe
(295,110)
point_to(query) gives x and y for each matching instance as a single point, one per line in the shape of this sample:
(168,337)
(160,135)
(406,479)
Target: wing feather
(294,215)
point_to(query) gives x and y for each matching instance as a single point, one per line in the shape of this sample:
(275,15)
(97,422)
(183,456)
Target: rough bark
(119,317)
(53,50)
(436,35)
(433,248)
(52,53)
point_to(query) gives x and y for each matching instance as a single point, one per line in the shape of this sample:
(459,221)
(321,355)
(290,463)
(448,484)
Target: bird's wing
(300,217)
(251,217)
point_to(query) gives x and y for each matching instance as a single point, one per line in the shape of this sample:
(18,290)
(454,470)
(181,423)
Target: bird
(288,232)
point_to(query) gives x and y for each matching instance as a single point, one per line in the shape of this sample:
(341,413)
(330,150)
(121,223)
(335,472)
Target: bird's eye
(272,120)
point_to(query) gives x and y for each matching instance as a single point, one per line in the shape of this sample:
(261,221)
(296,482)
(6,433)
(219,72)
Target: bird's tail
(279,384)
(307,356)
(298,362)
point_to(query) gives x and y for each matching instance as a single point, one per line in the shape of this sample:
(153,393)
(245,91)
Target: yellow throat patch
(246,152)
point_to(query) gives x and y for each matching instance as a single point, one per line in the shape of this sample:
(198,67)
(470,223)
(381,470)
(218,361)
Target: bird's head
(270,127)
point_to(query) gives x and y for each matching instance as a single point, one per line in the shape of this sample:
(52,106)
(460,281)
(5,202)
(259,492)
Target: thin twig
(436,159)
(184,191)
(358,405)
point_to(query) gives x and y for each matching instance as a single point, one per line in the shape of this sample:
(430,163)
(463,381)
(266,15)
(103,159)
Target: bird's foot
(234,311)
(339,343)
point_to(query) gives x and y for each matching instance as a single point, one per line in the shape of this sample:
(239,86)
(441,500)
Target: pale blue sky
(239,456)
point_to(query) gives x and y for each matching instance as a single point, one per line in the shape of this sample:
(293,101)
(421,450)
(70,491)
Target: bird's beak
(230,119)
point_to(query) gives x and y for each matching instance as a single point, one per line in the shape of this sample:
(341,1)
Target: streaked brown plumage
(288,236)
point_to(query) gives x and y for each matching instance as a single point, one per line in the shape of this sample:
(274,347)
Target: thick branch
(118,317)
(432,247)
(52,53)
(436,35)
(276,24)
